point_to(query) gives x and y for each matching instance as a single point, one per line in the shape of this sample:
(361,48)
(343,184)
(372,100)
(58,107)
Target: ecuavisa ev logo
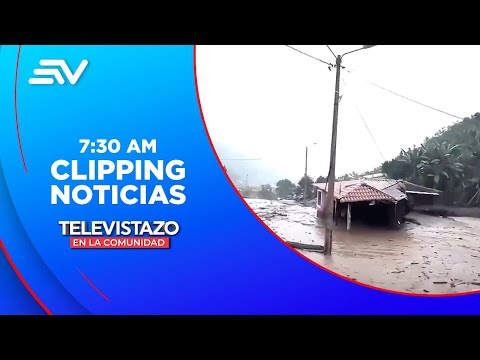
(50,71)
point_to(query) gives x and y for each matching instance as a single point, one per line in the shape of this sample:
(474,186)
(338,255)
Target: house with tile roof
(374,200)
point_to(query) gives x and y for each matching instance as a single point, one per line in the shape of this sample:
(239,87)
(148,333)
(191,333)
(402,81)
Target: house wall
(321,202)
(396,214)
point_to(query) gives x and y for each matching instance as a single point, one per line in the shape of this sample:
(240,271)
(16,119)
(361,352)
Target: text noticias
(118,170)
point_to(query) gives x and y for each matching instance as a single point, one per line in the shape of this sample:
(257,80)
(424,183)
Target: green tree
(441,163)
(396,169)
(467,190)
(474,186)
(411,160)
(310,194)
(448,161)
(267,193)
(285,188)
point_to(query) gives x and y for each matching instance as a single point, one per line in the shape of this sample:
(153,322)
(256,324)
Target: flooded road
(439,256)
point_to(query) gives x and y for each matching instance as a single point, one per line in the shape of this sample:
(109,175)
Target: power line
(313,57)
(366,126)
(332,51)
(330,65)
(417,102)
(409,99)
(371,135)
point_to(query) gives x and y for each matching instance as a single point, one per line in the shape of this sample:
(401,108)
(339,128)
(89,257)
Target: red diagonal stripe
(23,280)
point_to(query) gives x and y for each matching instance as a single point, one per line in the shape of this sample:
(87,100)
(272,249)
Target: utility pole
(330,199)
(305,178)
(333,154)
(327,214)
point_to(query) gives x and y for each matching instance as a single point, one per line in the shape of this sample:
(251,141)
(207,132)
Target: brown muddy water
(439,256)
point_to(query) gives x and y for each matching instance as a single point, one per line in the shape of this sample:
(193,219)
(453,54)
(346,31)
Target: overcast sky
(270,102)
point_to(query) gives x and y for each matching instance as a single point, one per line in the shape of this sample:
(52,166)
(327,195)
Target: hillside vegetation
(449,161)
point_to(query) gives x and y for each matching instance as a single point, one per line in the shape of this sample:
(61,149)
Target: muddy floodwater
(438,256)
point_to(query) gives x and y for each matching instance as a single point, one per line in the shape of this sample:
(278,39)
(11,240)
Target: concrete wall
(321,197)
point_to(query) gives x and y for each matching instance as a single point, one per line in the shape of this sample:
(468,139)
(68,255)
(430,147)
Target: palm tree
(475,185)
(442,163)
(472,167)
(411,159)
